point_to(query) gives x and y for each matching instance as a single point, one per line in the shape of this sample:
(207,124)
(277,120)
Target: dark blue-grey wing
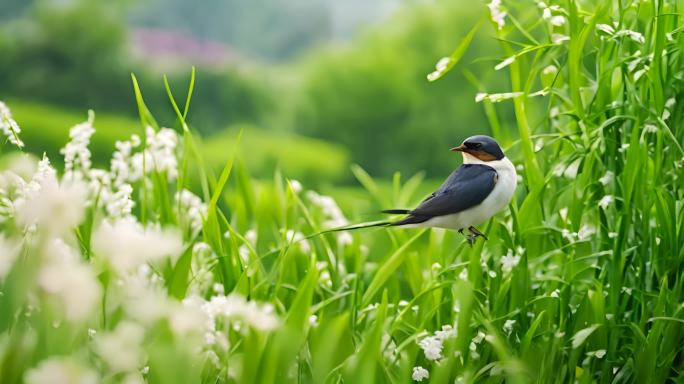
(466,187)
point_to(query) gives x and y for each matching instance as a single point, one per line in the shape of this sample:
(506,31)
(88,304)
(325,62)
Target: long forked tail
(352,228)
(397,211)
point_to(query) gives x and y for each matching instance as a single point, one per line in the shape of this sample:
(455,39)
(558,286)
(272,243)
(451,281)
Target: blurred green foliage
(374,98)
(75,54)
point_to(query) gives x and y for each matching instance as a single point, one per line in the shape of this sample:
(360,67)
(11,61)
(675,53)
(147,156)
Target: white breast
(497,200)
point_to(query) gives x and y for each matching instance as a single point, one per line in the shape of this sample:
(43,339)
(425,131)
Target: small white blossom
(558,38)
(606,201)
(497,97)
(509,261)
(54,207)
(498,16)
(72,282)
(331,211)
(192,209)
(313,321)
(9,127)
(508,61)
(127,244)
(235,307)
(76,153)
(120,349)
(159,154)
(296,186)
(420,374)
(635,36)
(441,67)
(605,28)
(607,178)
(60,370)
(432,347)
(508,326)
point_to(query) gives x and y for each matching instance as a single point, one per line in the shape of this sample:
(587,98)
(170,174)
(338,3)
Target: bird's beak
(460,148)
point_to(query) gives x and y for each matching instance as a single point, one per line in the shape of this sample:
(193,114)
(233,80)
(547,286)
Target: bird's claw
(474,234)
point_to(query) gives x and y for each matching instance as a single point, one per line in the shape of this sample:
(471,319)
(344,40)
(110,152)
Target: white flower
(498,16)
(550,70)
(60,370)
(557,20)
(447,332)
(563,212)
(120,348)
(509,261)
(333,214)
(65,277)
(508,61)
(121,163)
(76,153)
(9,250)
(555,293)
(299,239)
(441,67)
(9,127)
(55,207)
(345,238)
(558,38)
(158,155)
(296,186)
(508,326)
(126,244)
(585,232)
(192,208)
(235,307)
(313,321)
(607,178)
(420,374)
(188,317)
(432,347)
(606,201)
(605,28)
(600,353)
(497,97)
(635,36)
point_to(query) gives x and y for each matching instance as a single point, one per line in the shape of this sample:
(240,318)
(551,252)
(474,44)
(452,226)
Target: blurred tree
(374,97)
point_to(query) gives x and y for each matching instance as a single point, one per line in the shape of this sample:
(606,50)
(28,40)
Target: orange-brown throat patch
(480,155)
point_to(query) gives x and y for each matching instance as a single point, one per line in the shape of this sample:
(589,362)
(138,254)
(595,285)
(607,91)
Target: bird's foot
(471,239)
(476,233)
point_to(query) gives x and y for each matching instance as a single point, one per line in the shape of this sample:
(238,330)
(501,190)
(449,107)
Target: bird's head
(480,147)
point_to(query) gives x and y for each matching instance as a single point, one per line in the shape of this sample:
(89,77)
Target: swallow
(473,193)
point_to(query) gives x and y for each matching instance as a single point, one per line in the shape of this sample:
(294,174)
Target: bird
(477,190)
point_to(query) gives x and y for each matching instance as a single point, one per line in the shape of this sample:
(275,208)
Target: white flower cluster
(553,14)
(333,215)
(9,127)
(127,244)
(609,30)
(47,209)
(432,345)
(193,208)
(76,153)
(498,16)
(419,374)
(159,154)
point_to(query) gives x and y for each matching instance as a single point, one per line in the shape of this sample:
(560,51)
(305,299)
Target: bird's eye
(477,145)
